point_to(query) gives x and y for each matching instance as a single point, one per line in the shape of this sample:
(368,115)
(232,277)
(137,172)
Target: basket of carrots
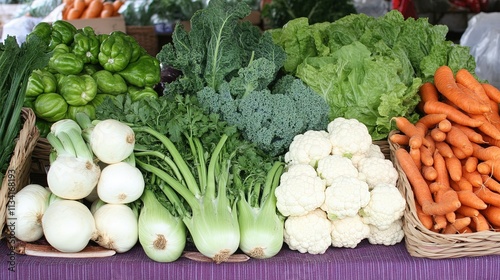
(86,9)
(449,168)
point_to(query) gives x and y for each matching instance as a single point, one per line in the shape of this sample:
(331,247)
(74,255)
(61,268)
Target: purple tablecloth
(364,262)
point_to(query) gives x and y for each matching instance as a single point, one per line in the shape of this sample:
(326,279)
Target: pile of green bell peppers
(85,68)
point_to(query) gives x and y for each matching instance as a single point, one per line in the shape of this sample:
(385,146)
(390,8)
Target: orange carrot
(487,128)
(437,135)
(425,219)
(450,217)
(444,125)
(459,153)
(469,198)
(464,184)
(480,223)
(442,171)
(492,92)
(488,196)
(492,214)
(431,143)
(409,129)
(457,138)
(117,5)
(426,156)
(485,167)
(415,141)
(457,226)
(454,167)
(491,183)
(471,134)
(490,152)
(429,173)
(467,211)
(93,9)
(471,163)
(419,185)
(444,81)
(444,149)
(466,79)
(448,202)
(440,222)
(474,177)
(431,120)
(399,139)
(453,114)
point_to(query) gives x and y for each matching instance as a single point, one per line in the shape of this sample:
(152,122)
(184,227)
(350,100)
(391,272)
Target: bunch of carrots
(85,9)
(451,155)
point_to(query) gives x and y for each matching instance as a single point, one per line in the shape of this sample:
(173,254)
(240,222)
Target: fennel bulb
(112,141)
(30,204)
(161,234)
(116,226)
(73,174)
(212,221)
(120,183)
(68,225)
(261,227)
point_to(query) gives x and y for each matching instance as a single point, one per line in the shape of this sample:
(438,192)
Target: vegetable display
(338,189)
(85,68)
(449,154)
(369,68)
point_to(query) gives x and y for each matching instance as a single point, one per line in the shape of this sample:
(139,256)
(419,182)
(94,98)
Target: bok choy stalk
(162,235)
(261,227)
(73,173)
(212,221)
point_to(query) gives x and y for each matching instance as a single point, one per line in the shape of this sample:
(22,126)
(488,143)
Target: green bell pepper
(137,93)
(78,90)
(40,81)
(90,69)
(109,83)
(115,53)
(86,45)
(43,30)
(137,50)
(87,109)
(145,72)
(50,107)
(65,62)
(63,32)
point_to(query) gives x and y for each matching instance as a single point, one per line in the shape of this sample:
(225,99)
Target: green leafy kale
(234,69)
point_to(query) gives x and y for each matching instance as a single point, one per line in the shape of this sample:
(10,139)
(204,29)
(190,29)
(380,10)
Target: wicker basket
(421,242)
(18,173)
(145,36)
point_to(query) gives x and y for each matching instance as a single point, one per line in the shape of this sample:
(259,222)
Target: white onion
(117,227)
(68,225)
(29,205)
(112,141)
(120,183)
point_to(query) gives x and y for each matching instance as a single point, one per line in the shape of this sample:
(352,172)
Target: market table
(363,262)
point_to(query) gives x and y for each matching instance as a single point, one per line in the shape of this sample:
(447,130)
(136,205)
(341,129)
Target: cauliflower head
(345,197)
(308,233)
(300,190)
(349,137)
(374,151)
(377,171)
(309,147)
(333,166)
(349,232)
(388,237)
(386,205)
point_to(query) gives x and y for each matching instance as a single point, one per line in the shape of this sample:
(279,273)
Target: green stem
(164,158)
(211,183)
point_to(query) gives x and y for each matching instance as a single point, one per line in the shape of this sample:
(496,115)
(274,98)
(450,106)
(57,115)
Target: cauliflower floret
(349,137)
(333,166)
(309,233)
(386,205)
(374,151)
(378,171)
(309,147)
(300,190)
(349,232)
(392,235)
(345,197)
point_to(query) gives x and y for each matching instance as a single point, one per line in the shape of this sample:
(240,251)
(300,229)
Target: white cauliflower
(390,236)
(300,190)
(349,137)
(333,166)
(309,233)
(374,151)
(345,197)
(349,232)
(378,171)
(385,206)
(309,147)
